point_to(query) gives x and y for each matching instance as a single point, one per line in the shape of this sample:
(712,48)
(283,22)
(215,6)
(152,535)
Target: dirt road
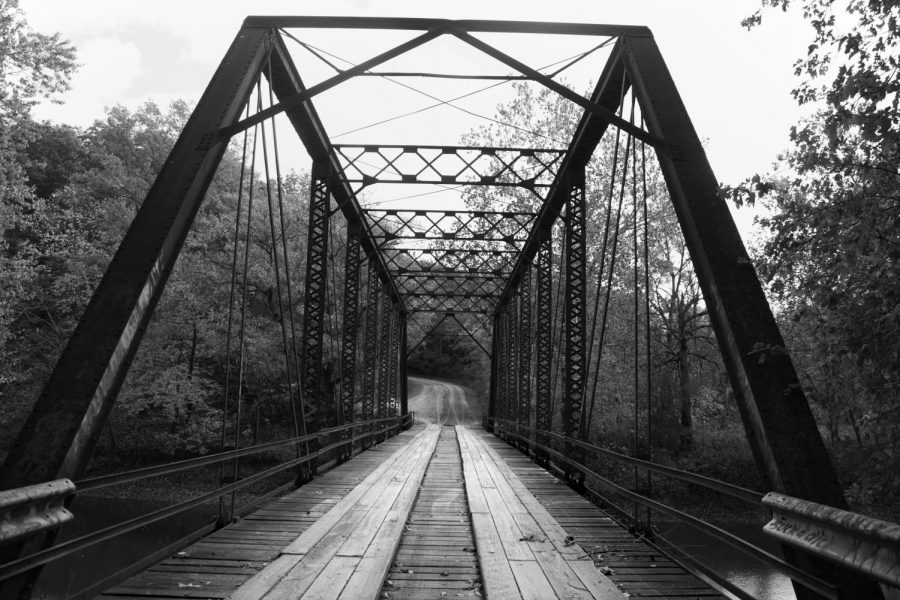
(443,403)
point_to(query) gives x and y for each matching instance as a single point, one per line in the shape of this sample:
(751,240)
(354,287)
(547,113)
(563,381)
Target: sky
(735,83)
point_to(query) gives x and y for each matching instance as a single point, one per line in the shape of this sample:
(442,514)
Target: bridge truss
(402,263)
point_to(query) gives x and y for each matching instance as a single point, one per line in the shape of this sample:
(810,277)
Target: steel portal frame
(74,405)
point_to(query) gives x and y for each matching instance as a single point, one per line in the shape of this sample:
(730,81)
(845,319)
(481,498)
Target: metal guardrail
(507,428)
(33,509)
(859,543)
(373,428)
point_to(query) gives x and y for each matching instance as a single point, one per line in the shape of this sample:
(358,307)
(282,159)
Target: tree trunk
(855,427)
(684,389)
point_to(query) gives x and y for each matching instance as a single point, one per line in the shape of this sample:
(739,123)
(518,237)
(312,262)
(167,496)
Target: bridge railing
(557,453)
(320,451)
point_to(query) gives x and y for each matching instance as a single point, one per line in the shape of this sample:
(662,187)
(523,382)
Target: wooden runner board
(523,551)
(217,565)
(348,552)
(436,557)
(634,566)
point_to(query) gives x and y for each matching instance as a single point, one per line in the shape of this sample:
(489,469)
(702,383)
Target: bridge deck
(436,512)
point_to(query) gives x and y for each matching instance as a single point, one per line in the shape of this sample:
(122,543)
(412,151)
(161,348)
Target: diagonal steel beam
(286,83)
(68,417)
(302,96)
(607,93)
(597,110)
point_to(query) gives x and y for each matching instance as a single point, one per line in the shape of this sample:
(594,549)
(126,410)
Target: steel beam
(352,262)
(371,358)
(525,302)
(286,83)
(301,97)
(543,363)
(459,226)
(780,427)
(512,361)
(60,433)
(608,94)
(384,354)
(529,168)
(494,394)
(404,378)
(315,404)
(418,24)
(574,308)
(393,362)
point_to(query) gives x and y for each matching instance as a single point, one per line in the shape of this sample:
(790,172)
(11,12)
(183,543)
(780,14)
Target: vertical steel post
(393,361)
(371,347)
(494,398)
(384,351)
(352,263)
(575,273)
(404,388)
(544,352)
(575,306)
(315,404)
(525,348)
(780,427)
(512,336)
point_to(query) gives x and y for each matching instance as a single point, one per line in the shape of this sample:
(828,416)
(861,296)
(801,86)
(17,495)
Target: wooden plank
(637,568)
(496,572)
(356,541)
(366,581)
(566,567)
(317,531)
(531,580)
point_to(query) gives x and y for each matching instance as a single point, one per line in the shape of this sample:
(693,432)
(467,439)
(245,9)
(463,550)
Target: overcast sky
(735,83)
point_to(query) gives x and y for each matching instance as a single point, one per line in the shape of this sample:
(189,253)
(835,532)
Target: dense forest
(828,255)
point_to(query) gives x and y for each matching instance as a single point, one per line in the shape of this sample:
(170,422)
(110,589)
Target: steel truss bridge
(523,272)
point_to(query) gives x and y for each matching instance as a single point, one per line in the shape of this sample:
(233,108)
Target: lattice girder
(529,168)
(403,260)
(509,227)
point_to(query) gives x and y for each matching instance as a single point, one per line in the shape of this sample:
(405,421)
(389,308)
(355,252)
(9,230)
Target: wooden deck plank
(243,548)
(349,551)
(508,500)
(635,567)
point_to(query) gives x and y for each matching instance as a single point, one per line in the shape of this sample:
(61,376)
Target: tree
(32,65)
(831,254)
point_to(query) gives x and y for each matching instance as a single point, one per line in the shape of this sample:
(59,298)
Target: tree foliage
(831,252)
